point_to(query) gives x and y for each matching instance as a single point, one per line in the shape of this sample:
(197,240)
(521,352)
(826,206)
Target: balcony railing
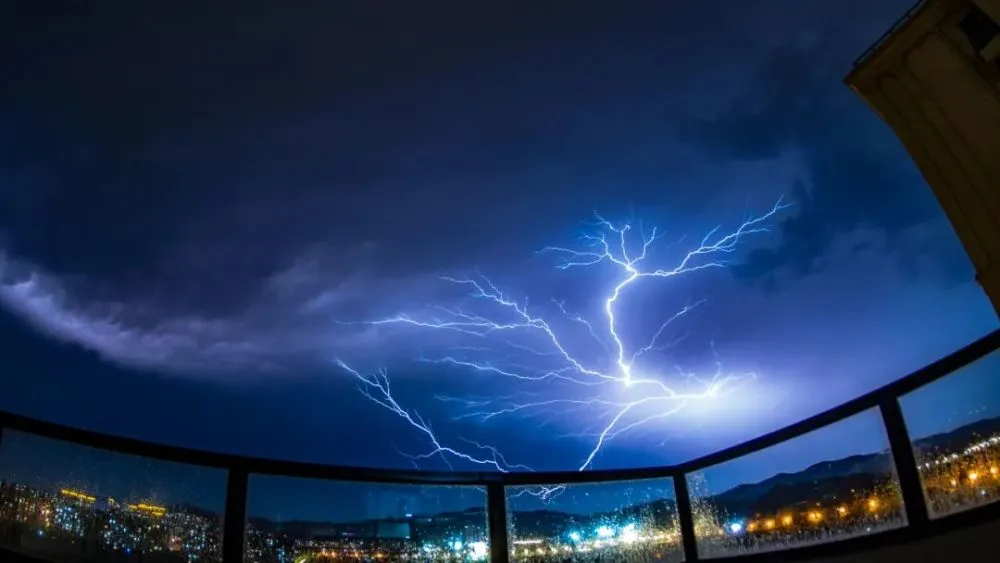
(889,32)
(672,519)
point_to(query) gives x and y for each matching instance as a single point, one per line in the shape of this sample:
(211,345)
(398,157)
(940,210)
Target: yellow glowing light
(873,504)
(149,509)
(815,516)
(78,495)
(842,510)
(786,520)
(954,483)
(769,524)
(973,475)
(751,526)
(993,470)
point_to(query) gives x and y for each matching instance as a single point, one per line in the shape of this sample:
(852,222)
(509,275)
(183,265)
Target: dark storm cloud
(165,171)
(162,168)
(198,190)
(855,174)
(288,322)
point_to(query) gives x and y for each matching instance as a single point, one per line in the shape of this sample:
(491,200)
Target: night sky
(204,209)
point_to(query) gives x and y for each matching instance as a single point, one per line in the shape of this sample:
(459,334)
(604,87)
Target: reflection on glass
(830,484)
(632,521)
(955,427)
(306,520)
(62,501)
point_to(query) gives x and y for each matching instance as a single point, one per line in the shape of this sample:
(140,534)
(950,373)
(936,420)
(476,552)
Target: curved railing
(911,517)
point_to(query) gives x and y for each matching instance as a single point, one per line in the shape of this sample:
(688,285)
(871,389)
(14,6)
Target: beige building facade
(934,78)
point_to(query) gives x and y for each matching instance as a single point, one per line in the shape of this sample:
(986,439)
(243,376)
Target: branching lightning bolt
(560,363)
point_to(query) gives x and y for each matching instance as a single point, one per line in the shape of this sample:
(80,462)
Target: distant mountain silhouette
(836,478)
(824,470)
(786,489)
(785,495)
(545,523)
(959,438)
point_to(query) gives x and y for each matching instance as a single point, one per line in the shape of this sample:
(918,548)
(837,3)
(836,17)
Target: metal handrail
(882,39)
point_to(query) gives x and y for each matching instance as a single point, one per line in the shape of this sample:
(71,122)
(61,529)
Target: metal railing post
(496,508)
(685,517)
(234,524)
(905,462)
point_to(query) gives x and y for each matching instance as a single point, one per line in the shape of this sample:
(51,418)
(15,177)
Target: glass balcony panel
(954,424)
(296,519)
(834,483)
(61,501)
(611,521)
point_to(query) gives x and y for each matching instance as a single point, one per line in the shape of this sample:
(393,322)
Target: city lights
(78,495)
(142,527)
(69,514)
(629,534)
(152,510)
(479,549)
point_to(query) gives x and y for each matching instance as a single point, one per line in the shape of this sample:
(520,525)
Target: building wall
(941,96)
